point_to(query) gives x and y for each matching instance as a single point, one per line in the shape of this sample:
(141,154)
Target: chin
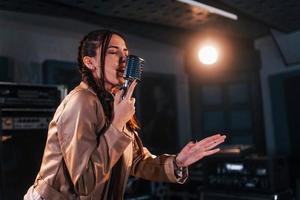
(121,81)
(118,84)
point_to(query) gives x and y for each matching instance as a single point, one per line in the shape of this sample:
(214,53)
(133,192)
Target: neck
(109,87)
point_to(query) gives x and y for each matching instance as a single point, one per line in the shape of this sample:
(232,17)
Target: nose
(123,58)
(122,61)
(123,55)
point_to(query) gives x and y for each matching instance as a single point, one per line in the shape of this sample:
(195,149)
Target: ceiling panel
(283,15)
(167,12)
(168,20)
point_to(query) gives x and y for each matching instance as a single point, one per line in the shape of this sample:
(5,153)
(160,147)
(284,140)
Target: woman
(92,145)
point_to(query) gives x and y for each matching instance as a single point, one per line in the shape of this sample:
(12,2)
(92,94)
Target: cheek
(110,74)
(111,60)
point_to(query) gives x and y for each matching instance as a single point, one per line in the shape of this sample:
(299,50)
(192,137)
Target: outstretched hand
(195,151)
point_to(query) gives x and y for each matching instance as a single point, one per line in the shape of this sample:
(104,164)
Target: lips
(120,72)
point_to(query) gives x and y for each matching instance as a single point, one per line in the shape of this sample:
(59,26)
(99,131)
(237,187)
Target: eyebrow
(116,47)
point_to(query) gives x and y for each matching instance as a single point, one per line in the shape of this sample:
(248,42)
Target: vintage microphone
(133,71)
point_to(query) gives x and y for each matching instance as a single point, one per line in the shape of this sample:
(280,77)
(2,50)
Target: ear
(89,62)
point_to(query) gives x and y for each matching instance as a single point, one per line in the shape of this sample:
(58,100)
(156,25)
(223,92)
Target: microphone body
(133,71)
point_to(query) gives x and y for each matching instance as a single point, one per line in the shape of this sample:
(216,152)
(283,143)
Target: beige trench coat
(77,162)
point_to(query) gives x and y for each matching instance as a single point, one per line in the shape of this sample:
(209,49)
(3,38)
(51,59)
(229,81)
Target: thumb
(117,99)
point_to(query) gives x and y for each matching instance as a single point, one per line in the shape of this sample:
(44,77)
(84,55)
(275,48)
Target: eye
(112,52)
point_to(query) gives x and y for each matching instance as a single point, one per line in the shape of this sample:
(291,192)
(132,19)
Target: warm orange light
(208,55)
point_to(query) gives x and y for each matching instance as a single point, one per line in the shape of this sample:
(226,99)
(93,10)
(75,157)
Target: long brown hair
(88,47)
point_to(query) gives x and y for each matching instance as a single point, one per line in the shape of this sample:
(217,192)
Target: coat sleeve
(155,168)
(88,158)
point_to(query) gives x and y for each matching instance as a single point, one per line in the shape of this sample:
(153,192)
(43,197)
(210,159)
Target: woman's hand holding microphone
(124,109)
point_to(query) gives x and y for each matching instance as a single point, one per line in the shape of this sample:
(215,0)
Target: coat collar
(83,85)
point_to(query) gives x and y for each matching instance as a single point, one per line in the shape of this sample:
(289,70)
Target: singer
(93,145)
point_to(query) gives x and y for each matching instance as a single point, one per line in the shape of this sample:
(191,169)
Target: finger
(130,90)
(118,97)
(210,152)
(214,144)
(133,110)
(208,143)
(210,138)
(190,144)
(133,100)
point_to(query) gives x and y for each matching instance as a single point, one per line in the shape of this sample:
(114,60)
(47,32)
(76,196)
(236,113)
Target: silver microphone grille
(134,68)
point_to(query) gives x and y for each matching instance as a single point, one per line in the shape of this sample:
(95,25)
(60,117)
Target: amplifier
(24,123)
(28,107)
(252,173)
(25,111)
(13,95)
(215,195)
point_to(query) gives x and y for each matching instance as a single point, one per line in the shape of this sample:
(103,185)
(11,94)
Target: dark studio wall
(226,96)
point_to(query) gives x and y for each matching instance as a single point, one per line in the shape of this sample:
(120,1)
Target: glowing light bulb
(208,55)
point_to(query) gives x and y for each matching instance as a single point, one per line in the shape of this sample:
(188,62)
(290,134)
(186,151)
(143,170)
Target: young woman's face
(115,59)
(115,62)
